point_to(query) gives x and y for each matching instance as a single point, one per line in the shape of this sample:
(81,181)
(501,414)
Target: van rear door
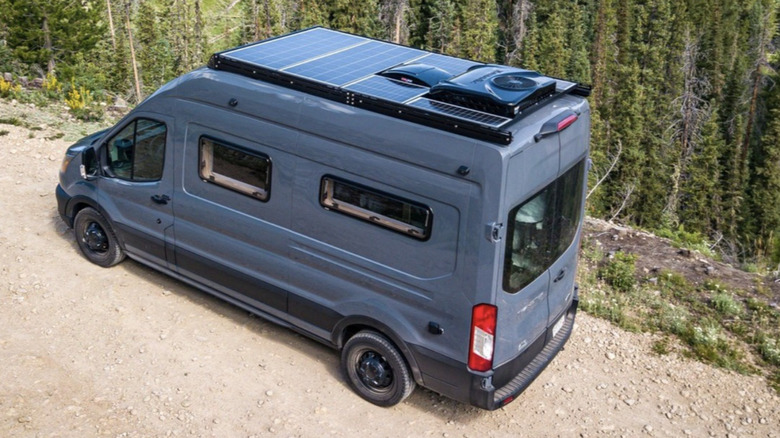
(570,200)
(544,198)
(522,295)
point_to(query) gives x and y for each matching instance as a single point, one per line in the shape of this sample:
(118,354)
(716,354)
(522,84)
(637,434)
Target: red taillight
(565,123)
(483,331)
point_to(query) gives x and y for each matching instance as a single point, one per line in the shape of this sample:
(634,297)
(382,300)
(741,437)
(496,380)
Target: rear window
(379,208)
(542,228)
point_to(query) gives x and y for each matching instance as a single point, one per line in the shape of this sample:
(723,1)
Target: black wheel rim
(374,371)
(94,237)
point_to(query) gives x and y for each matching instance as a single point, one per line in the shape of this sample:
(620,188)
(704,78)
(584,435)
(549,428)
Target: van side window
(231,167)
(395,213)
(137,152)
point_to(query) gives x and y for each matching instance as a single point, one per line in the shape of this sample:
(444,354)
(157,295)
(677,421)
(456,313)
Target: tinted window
(542,228)
(137,152)
(234,168)
(376,207)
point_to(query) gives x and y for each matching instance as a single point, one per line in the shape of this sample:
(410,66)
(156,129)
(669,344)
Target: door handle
(560,276)
(160,199)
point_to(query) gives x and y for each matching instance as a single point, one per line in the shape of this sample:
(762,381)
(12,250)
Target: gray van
(419,212)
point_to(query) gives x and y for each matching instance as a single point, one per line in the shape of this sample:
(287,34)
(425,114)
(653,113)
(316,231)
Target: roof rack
(370,74)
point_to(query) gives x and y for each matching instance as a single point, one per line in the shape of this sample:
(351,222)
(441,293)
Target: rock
(119,103)
(709,270)
(24,81)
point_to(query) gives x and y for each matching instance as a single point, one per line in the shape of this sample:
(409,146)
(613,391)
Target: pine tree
(310,13)
(47,33)
(443,28)
(700,191)
(480,30)
(356,16)
(764,194)
(553,53)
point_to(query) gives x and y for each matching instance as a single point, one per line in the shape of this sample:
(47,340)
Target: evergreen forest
(686,99)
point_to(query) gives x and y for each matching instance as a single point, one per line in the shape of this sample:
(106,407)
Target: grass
(708,322)
(13,121)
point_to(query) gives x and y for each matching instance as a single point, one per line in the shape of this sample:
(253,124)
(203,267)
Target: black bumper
(495,389)
(62,205)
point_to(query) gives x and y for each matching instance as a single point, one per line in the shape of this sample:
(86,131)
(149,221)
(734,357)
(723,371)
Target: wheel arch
(349,326)
(79,202)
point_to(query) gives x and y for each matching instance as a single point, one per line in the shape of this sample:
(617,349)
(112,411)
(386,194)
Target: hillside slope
(128,352)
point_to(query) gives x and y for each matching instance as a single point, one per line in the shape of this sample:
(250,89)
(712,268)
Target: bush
(770,350)
(51,87)
(619,272)
(726,305)
(79,100)
(8,89)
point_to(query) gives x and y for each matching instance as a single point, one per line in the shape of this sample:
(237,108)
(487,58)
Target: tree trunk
(138,95)
(764,40)
(268,31)
(47,43)
(111,24)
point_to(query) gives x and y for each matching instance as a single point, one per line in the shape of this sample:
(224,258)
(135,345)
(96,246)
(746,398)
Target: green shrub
(769,350)
(619,272)
(726,305)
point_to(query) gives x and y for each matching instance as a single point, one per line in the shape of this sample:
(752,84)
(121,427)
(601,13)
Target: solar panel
(348,65)
(292,49)
(460,112)
(388,89)
(343,67)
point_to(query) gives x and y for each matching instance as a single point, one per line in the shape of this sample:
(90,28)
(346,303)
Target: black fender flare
(82,202)
(341,331)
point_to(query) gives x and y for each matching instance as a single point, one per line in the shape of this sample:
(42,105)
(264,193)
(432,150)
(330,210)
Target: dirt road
(128,352)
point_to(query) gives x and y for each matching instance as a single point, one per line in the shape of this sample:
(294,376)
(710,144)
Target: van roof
(453,94)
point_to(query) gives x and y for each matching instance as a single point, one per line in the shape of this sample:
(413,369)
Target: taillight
(483,331)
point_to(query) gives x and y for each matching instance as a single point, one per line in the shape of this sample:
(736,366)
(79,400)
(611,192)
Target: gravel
(128,352)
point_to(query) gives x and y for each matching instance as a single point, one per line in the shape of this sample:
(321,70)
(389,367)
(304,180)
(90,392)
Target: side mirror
(89,164)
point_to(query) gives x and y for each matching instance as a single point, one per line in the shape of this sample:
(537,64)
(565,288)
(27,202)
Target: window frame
(108,167)
(328,202)
(227,182)
(554,250)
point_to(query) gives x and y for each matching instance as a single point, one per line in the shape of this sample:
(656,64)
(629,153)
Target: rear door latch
(494,232)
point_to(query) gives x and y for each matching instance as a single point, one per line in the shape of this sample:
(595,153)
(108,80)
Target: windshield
(542,228)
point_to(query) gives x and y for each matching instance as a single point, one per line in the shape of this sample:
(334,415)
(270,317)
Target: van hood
(84,142)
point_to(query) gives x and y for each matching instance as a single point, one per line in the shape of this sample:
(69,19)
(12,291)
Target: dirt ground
(128,352)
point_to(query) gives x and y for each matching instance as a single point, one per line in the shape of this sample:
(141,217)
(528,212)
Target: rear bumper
(495,389)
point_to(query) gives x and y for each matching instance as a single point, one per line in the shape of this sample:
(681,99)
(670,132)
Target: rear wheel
(96,238)
(376,370)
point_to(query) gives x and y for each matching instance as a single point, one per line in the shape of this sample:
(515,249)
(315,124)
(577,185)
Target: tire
(376,370)
(96,238)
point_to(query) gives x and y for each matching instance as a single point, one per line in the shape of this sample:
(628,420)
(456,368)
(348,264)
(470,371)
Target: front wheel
(96,238)
(376,370)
